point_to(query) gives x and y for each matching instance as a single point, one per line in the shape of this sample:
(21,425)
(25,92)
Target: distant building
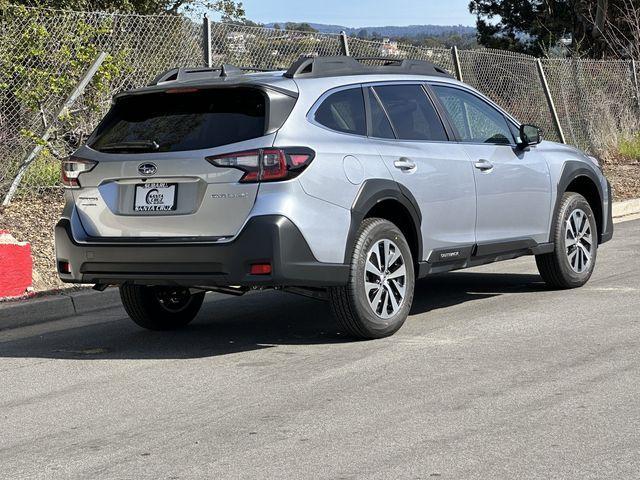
(389,48)
(237,41)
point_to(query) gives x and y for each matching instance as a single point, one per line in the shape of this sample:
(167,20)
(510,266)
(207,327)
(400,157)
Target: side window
(412,115)
(474,119)
(343,111)
(380,126)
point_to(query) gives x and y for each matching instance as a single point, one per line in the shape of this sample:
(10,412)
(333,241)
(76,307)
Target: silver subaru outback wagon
(336,179)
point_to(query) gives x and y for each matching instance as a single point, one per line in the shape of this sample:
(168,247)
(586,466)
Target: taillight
(248,162)
(72,167)
(266,165)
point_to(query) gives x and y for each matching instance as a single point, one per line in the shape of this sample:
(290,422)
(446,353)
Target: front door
(513,185)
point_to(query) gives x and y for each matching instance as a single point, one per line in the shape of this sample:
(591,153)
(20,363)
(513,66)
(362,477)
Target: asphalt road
(492,377)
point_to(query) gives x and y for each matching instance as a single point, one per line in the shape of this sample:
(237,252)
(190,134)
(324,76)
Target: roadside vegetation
(629,148)
(622,167)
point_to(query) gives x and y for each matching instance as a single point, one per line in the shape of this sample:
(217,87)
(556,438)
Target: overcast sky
(358,13)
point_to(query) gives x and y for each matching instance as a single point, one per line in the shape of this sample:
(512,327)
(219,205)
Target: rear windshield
(173,122)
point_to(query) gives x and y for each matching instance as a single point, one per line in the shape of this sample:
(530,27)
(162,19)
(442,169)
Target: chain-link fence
(264,48)
(596,101)
(44,53)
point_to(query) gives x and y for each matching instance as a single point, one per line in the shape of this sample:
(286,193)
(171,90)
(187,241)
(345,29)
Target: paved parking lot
(492,377)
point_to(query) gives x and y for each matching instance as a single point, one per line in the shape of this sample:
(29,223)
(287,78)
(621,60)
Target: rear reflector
(64,267)
(260,269)
(266,165)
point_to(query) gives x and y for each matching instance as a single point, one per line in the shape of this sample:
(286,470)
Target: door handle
(404,164)
(483,165)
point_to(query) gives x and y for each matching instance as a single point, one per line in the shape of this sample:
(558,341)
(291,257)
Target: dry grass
(622,167)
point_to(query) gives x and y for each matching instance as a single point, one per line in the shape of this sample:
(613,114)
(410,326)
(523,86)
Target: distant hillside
(393,32)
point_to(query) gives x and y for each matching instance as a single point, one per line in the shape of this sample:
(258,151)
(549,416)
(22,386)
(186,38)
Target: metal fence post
(634,76)
(49,131)
(206,40)
(344,43)
(552,106)
(456,62)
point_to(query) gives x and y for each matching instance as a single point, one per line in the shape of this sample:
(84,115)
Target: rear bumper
(270,238)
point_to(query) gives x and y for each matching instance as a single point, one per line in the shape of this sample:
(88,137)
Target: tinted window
(343,111)
(380,126)
(412,115)
(183,121)
(474,119)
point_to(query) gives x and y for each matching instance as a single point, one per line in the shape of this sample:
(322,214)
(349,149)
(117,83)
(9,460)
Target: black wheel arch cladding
(373,193)
(579,171)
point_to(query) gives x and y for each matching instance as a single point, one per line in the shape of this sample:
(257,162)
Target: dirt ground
(624,175)
(33,219)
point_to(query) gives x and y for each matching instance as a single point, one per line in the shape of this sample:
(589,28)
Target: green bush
(41,62)
(630,147)
(44,172)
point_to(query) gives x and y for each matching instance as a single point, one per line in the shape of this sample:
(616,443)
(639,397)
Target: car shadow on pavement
(255,321)
(448,289)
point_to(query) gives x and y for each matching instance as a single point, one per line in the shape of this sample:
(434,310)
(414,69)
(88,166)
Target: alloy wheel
(579,243)
(385,278)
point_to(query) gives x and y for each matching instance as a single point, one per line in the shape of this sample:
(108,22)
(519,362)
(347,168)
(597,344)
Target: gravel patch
(625,180)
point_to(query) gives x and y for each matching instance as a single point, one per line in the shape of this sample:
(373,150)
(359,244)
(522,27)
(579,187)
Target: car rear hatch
(152,179)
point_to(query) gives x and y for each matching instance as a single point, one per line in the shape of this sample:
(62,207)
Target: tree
(522,25)
(303,27)
(229,9)
(617,32)
(537,26)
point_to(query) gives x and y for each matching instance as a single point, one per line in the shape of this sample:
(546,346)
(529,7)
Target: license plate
(155,197)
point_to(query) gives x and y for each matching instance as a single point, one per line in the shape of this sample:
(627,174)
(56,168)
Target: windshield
(173,122)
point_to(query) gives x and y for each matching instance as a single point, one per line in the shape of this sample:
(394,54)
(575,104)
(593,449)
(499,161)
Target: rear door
(513,185)
(152,179)
(410,136)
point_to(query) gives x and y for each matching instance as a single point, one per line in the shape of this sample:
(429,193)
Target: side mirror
(529,135)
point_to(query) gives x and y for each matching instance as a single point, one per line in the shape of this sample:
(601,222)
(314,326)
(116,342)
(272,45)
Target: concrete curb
(21,313)
(627,207)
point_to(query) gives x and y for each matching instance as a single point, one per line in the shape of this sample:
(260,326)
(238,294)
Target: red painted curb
(15,266)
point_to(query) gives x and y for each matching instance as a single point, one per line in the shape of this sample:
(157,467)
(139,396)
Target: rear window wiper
(142,145)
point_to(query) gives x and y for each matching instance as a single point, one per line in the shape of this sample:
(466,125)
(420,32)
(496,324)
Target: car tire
(575,237)
(160,308)
(377,298)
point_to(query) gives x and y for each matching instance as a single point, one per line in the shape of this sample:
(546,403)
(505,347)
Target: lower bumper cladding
(265,240)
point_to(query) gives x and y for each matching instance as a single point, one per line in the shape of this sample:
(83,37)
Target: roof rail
(182,74)
(331,66)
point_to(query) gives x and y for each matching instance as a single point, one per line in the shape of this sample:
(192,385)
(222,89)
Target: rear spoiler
(187,74)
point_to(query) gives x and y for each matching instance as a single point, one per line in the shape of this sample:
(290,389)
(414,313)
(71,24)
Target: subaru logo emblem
(147,169)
